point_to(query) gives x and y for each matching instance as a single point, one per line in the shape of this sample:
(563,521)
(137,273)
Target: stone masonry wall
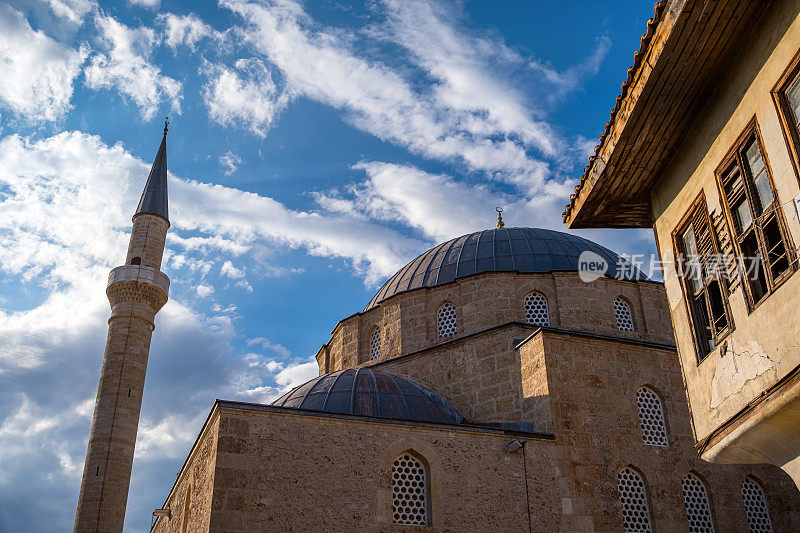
(592,386)
(195,484)
(147,240)
(480,377)
(408,321)
(289,472)
(285,470)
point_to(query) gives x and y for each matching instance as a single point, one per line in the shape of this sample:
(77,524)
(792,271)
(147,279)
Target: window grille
(375,344)
(446,321)
(624,316)
(755,503)
(651,417)
(536,310)
(633,495)
(698,508)
(409,491)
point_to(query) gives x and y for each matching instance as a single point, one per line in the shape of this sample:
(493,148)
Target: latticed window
(536,310)
(375,344)
(624,316)
(698,508)
(651,417)
(409,491)
(755,503)
(446,321)
(633,495)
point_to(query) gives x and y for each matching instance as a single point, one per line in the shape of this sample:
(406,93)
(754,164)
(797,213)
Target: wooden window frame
(789,125)
(702,351)
(735,157)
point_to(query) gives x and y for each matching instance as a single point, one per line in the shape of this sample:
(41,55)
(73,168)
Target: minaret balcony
(141,274)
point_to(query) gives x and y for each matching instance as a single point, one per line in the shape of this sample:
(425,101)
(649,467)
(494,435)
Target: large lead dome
(526,250)
(369,392)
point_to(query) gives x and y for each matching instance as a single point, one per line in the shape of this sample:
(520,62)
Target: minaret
(136,291)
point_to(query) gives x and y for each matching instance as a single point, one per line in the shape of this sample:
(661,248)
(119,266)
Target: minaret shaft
(136,291)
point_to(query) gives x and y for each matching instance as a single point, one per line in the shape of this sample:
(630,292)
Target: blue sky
(315,147)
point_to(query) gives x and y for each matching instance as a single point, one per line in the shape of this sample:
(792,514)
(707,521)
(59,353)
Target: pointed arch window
(375,343)
(536,310)
(623,314)
(755,503)
(651,417)
(446,321)
(410,487)
(697,504)
(635,504)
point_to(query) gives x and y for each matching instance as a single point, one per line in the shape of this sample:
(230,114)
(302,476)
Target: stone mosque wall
(407,321)
(278,470)
(579,382)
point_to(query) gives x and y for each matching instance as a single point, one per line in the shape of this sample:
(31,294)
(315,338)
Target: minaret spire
(154,197)
(136,291)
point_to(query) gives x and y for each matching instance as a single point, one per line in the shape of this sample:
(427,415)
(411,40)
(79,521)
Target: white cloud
(449,123)
(49,184)
(204,291)
(186,30)
(166,437)
(244,96)
(448,208)
(231,271)
(37,72)
(467,70)
(297,374)
(71,10)
(230,162)
(148,4)
(267,344)
(126,66)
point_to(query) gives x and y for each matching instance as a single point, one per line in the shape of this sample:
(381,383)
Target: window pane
(753,269)
(742,216)
(759,172)
(719,321)
(733,182)
(793,96)
(691,265)
(776,250)
(705,341)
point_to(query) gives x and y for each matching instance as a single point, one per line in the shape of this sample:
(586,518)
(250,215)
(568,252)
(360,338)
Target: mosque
(487,386)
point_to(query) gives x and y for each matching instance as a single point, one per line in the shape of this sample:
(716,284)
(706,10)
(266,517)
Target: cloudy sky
(315,147)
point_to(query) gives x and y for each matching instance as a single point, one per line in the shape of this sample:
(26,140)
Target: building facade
(703,147)
(484,387)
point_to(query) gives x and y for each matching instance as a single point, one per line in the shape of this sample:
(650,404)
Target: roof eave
(677,65)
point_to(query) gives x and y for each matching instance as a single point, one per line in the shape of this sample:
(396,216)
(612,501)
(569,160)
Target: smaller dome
(370,392)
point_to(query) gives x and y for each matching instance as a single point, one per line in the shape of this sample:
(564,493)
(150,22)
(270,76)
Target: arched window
(698,508)
(136,261)
(635,507)
(755,503)
(536,310)
(446,321)
(651,417)
(375,344)
(624,316)
(410,491)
